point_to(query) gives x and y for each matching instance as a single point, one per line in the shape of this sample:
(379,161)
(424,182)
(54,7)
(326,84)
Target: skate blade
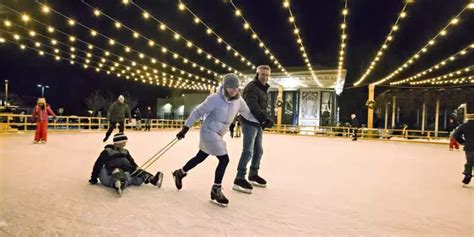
(160,181)
(258,185)
(242,190)
(465,185)
(218,204)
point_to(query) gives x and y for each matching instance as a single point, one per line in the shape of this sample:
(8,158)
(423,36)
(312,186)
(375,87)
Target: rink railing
(15,122)
(405,134)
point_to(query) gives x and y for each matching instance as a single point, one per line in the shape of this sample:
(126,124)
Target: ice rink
(317,186)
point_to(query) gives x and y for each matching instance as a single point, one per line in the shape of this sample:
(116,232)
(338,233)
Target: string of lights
(379,55)
(210,31)
(439,65)
(459,72)
(299,40)
(442,33)
(177,36)
(247,27)
(152,43)
(90,46)
(127,49)
(456,81)
(112,42)
(74,59)
(342,47)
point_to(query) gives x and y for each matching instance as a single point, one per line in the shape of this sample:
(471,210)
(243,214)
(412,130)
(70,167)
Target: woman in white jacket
(219,110)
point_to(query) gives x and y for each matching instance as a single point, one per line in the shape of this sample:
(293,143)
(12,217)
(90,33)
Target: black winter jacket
(465,135)
(112,157)
(255,95)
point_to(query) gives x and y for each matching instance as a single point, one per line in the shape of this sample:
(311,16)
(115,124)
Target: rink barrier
(366,133)
(19,122)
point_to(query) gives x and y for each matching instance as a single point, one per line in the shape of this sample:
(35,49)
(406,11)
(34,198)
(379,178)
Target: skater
(148,117)
(450,129)
(232,127)
(255,94)
(464,134)
(138,119)
(219,110)
(117,113)
(40,116)
(237,128)
(355,126)
(115,165)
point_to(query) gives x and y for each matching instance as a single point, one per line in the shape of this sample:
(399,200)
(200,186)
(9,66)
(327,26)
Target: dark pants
(231,129)
(200,157)
(147,124)
(113,125)
(108,179)
(354,133)
(469,162)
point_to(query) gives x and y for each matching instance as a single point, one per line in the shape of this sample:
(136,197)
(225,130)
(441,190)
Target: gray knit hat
(230,81)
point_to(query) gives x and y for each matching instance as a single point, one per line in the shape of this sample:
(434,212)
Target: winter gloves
(182,133)
(268,123)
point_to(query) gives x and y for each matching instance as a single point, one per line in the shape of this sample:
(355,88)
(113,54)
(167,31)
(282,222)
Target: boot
(178,178)
(157,180)
(218,197)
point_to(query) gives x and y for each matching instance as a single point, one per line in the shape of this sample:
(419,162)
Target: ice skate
(157,180)
(258,181)
(241,185)
(217,197)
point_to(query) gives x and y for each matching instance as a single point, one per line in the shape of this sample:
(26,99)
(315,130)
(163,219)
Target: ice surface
(317,186)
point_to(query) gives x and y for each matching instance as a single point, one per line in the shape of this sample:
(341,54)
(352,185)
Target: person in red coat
(40,116)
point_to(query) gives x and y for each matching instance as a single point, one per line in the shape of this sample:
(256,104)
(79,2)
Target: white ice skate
(118,188)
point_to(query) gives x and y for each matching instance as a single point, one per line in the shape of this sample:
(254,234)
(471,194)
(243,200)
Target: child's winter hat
(121,98)
(120,138)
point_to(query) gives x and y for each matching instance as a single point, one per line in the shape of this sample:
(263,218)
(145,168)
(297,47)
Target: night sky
(369,22)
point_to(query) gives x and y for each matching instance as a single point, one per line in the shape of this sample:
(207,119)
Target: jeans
(108,180)
(252,150)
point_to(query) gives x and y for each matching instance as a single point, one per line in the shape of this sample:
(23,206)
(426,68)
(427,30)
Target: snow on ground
(317,186)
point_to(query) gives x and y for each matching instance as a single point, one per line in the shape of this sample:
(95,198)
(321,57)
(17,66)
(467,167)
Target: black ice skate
(258,181)
(157,180)
(467,179)
(241,185)
(218,197)
(178,178)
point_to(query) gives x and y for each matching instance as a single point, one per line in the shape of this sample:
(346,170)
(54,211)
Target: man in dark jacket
(355,126)
(255,95)
(148,117)
(116,168)
(464,134)
(117,113)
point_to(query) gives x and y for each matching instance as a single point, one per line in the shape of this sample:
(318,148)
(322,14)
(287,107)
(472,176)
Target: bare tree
(95,101)
(108,100)
(130,100)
